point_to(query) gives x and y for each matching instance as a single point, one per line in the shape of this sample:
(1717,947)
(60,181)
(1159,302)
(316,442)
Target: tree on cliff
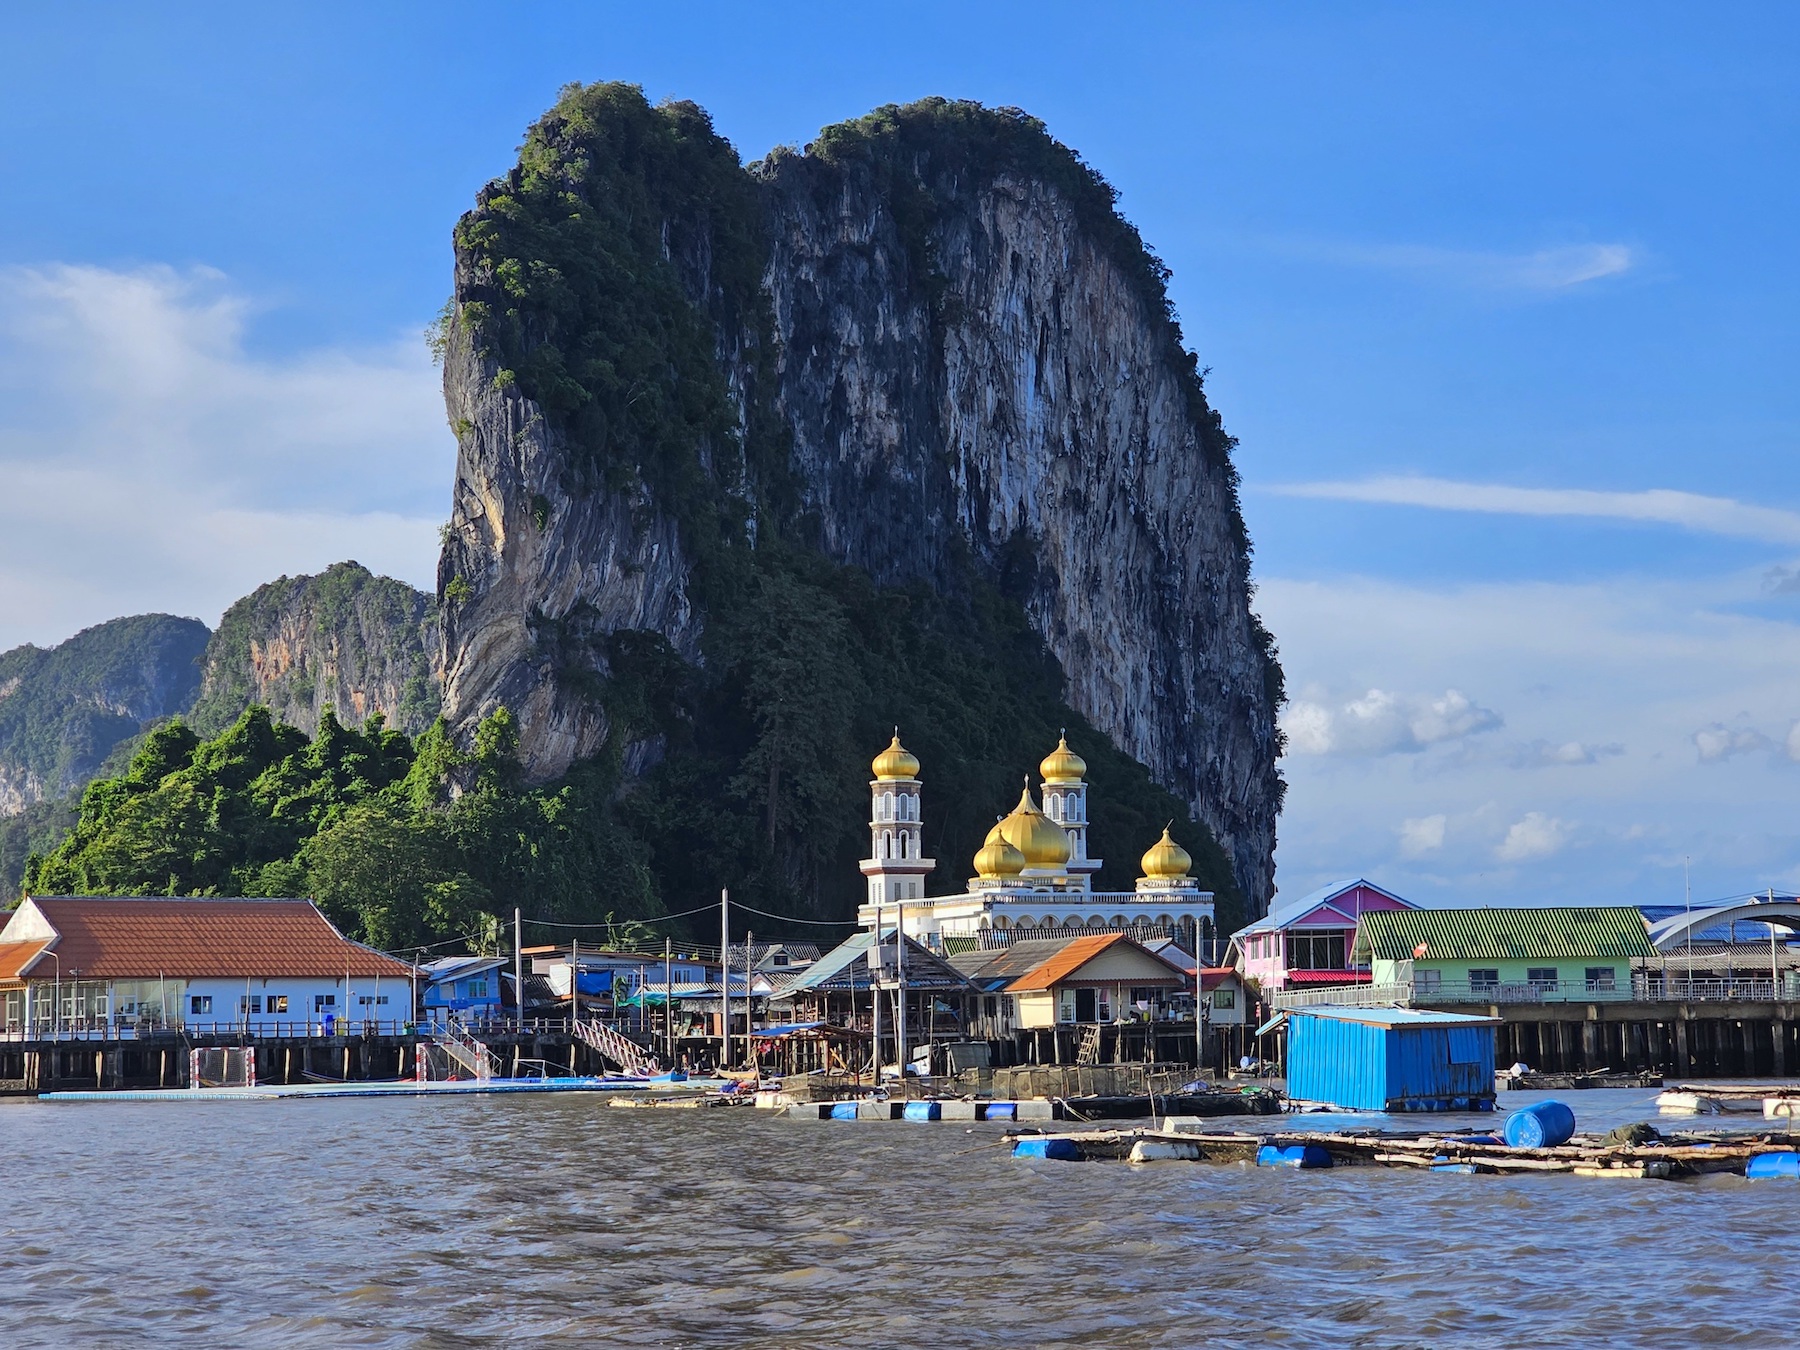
(364,820)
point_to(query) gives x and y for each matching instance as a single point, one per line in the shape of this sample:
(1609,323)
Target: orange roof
(202,939)
(15,956)
(1076,955)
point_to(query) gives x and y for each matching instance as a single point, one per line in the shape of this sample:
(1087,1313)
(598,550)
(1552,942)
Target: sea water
(556,1220)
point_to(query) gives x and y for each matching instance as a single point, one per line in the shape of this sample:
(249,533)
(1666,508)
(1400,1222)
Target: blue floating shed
(1390,1059)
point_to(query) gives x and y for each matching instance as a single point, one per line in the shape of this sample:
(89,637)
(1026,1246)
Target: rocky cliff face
(361,643)
(957,355)
(63,709)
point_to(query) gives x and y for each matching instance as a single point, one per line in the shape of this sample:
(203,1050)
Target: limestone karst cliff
(347,638)
(63,709)
(926,350)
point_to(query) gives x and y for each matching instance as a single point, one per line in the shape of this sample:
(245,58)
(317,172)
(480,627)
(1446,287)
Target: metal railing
(261,1028)
(1643,987)
(1521,991)
(1343,996)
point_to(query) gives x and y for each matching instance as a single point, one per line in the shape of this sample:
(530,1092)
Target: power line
(788,918)
(624,923)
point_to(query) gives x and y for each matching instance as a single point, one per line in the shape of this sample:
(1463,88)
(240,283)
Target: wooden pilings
(1690,1040)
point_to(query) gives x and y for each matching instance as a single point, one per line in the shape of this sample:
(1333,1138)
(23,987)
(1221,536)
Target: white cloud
(1565,753)
(1544,270)
(1793,742)
(1720,742)
(1688,510)
(154,461)
(1421,835)
(1534,836)
(1383,723)
(1611,675)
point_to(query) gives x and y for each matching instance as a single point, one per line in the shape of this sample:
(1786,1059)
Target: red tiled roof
(1329,976)
(1076,955)
(1213,976)
(203,939)
(15,956)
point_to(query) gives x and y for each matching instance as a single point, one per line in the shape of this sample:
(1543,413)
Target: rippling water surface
(473,1222)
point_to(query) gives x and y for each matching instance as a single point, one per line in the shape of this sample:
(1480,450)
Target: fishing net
(224,1066)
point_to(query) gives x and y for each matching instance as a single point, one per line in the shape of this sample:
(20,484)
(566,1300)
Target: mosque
(1032,875)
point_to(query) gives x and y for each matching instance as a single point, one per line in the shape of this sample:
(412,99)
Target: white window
(251,1004)
(278,1003)
(199,1003)
(324,1002)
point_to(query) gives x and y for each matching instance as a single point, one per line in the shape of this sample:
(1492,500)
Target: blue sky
(1500,303)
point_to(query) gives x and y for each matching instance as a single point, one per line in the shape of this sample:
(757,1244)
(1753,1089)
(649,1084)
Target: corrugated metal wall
(1367,1067)
(1344,1063)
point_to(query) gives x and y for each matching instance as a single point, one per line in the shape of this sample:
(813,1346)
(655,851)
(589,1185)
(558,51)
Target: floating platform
(1258,1102)
(400,1088)
(1713,1099)
(1566,1082)
(1673,1157)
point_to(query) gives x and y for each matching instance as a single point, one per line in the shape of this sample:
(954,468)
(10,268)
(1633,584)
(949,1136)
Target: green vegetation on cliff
(298,644)
(63,709)
(364,820)
(601,277)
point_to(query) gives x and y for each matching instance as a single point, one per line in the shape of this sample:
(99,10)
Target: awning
(1275,1023)
(789,1029)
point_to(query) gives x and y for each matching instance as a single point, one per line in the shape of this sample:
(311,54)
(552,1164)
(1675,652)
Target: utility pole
(1774,965)
(875,970)
(724,979)
(518,968)
(749,966)
(1199,1003)
(1687,887)
(900,989)
(668,996)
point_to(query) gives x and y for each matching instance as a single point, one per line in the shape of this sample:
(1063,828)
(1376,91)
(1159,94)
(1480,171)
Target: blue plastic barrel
(1544,1125)
(922,1111)
(1062,1150)
(843,1111)
(1769,1166)
(1001,1111)
(1308,1156)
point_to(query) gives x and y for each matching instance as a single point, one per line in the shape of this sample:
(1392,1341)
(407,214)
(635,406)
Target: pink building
(1307,941)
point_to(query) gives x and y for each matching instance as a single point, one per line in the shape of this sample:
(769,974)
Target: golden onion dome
(1167,860)
(997,858)
(1063,765)
(1035,835)
(896,762)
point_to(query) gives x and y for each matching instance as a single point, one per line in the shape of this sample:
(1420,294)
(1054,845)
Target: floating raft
(1711,1099)
(400,1088)
(1584,1155)
(1259,1102)
(1565,1082)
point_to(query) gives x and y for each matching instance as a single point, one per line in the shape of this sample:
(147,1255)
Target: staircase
(465,1052)
(621,1050)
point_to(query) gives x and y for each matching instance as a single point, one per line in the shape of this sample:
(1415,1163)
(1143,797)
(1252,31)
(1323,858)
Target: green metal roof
(1615,932)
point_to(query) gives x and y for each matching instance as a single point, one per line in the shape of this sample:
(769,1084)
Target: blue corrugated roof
(1392,1017)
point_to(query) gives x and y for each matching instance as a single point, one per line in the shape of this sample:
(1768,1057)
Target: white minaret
(896,866)
(1065,802)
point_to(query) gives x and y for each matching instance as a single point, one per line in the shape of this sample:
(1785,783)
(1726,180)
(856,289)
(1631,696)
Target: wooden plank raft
(1586,1155)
